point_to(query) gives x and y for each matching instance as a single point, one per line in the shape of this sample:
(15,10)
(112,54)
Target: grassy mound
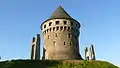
(55,64)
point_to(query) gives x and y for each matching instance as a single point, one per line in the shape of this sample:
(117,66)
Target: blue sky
(20,20)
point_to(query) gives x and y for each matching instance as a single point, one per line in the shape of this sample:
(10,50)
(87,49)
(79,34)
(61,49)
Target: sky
(20,20)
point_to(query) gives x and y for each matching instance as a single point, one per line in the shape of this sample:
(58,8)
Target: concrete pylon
(35,48)
(86,54)
(92,53)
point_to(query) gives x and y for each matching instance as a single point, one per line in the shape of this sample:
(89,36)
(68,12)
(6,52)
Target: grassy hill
(55,64)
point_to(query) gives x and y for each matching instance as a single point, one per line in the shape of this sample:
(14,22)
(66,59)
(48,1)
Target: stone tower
(60,33)
(35,48)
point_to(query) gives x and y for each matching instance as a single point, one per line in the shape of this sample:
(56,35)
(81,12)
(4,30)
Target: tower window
(68,28)
(57,28)
(50,29)
(71,28)
(64,43)
(70,43)
(65,28)
(61,28)
(48,36)
(55,34)
(43,32)
(54,43)
(65,22)
(50,23)
(47,30)
(57,22)
(53,28)
(71,23)
(69,35)
(44,26)
(76,25)
(76,37)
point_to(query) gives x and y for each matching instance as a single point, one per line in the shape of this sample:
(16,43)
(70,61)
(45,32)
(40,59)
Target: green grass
(55,64)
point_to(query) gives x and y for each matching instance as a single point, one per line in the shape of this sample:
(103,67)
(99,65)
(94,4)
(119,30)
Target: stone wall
(61,39)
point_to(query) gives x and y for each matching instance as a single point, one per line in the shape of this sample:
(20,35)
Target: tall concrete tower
(60,33)
(35,48)
(92,52)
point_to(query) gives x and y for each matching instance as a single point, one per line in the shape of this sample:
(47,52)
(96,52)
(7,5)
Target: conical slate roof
(59,13)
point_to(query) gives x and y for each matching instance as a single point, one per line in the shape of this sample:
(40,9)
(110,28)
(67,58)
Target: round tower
(60,33)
